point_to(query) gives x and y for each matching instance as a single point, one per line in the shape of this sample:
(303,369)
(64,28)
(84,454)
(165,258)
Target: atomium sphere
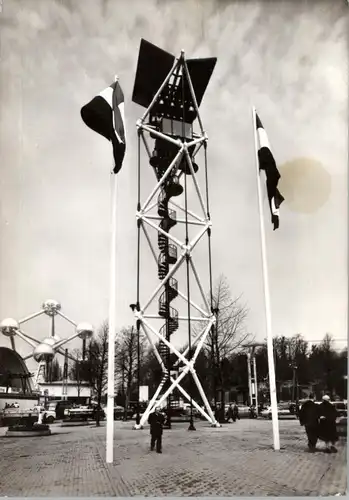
(85,331)
(43,352)
(9,327)
(51,340)
(51,307)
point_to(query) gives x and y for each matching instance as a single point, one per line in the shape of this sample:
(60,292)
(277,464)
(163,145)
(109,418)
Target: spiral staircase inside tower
(167,257)
(171,90)
(173,117)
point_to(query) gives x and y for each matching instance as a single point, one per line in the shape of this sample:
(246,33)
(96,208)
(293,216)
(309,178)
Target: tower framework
(171,90)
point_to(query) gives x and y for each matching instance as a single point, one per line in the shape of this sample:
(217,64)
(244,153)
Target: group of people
(156,421)
(233,412)
(319,421)
(12,405)
(223,416)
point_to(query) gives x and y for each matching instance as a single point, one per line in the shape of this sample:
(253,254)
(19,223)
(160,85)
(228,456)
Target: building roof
(11,363)
(69,382)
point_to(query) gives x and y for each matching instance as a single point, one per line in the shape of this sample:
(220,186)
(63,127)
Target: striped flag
(105,115)
(267,163)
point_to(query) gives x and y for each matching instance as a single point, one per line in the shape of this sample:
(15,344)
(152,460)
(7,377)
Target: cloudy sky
(289,59)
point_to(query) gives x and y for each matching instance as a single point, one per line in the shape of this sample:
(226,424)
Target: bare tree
(95,365)
(77,370)
(55,371)
(126,360)
(227,336)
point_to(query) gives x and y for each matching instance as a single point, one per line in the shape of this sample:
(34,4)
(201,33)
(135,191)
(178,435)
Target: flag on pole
(267,163)
(105,115)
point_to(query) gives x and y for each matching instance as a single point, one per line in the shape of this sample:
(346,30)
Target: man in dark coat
(309,417)
(156,421)
(327,428)
(235,412)
(230,413)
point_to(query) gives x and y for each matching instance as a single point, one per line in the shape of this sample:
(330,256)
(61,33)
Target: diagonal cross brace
(197,141)
(189,367)
(151,404)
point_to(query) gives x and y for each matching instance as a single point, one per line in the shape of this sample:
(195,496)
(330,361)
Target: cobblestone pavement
(236,459)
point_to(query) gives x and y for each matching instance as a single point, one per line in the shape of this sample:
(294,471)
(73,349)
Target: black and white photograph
(173,248)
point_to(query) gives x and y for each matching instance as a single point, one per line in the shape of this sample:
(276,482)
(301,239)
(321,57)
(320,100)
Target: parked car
(283,411)
(342,426)
(100,410)
(84,412)
(245,411)
(48,417)
(14,416)
(185,410)
(342,418)
(58,407)
(134,405)
(341,407)
(119,413)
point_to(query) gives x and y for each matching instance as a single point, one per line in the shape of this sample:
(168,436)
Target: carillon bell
(191,114)
(184,167)
(174,188)
(154,160)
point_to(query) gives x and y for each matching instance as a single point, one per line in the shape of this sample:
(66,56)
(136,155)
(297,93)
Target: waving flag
(267,163)
(105,115)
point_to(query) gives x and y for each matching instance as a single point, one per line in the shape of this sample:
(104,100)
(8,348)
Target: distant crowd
(12,405)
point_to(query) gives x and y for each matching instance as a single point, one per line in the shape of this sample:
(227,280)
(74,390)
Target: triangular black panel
(154,64)
(200,71)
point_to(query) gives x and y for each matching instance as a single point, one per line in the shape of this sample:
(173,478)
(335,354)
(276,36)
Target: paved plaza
(237,459)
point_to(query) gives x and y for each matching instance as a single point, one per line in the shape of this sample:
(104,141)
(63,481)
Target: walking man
(328,429)
(309,417)
(235,412)
(230,413)
(156,421)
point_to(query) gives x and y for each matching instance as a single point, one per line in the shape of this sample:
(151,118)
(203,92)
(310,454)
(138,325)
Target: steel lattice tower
(171,90)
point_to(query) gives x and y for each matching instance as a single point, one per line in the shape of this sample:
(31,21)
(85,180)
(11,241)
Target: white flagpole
(112,325)
(272,383)
(111,333)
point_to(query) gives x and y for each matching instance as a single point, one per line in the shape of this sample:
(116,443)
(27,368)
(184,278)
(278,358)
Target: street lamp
(138,325)
(252,379)
(138,370)
(215,311)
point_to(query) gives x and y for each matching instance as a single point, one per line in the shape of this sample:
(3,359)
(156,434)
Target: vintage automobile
(245,411)
(83,413)
(341,407)
(283,411)
(48,416)
(58,407)
(341,422)
(14,416)
(119,412)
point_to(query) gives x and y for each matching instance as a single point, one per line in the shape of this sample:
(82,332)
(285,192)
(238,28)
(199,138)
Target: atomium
(51,340)
(84,331)
(9,327)
(51,307)
(44,350)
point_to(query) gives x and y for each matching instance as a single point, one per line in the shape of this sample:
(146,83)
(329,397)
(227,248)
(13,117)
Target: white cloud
(288,59)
